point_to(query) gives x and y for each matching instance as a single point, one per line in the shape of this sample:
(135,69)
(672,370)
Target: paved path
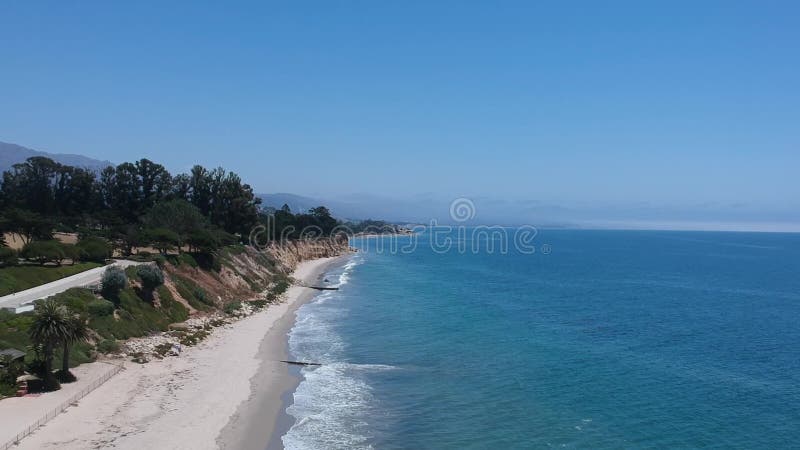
(21,301)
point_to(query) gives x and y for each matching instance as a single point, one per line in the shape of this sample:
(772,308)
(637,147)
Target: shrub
(258,304)
(231,308)
(8,257)
(280,287)
(151,276)
(44,251)
(94,249)
(114,280)
(100,308)
(108,346)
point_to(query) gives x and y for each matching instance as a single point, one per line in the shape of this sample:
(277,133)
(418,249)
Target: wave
(333,401)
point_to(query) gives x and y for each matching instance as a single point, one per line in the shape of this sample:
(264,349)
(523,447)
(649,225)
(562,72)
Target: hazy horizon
(616,115)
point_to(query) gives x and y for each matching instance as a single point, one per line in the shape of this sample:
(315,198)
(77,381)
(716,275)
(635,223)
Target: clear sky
(593,106)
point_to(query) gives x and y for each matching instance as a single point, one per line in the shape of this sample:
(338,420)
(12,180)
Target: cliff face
(290,254)
(244,272)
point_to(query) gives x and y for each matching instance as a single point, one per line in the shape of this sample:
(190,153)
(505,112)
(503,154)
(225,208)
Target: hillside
(11,154)
(190,302)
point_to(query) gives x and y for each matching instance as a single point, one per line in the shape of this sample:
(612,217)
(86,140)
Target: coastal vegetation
(190,232)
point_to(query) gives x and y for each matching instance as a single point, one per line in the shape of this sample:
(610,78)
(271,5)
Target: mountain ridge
(11,154)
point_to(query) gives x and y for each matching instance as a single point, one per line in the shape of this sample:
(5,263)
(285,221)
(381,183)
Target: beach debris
(323,288)
(301,363)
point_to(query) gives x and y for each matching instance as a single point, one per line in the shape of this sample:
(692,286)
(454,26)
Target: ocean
(595,339)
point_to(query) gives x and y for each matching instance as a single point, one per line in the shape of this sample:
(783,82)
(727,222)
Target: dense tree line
(134,205)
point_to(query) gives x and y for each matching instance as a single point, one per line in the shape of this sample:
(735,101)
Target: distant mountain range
(11,154)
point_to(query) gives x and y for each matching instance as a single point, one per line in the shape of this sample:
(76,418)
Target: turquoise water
(615,339)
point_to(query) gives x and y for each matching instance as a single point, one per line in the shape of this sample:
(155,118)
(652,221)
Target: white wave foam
(332,402)
(354,261)
(331,406)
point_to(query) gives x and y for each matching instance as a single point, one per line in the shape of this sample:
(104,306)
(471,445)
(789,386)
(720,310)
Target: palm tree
(78,332)
(51,325)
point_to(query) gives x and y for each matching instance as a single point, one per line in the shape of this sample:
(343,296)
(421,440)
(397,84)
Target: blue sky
(614,111)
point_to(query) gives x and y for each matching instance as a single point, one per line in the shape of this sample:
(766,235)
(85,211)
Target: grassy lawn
(15,279)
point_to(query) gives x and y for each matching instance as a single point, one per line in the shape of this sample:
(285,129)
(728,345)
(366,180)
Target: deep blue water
(615,339)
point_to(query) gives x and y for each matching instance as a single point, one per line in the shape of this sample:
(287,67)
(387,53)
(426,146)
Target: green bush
(280,287)
(100,308)
(151,277)
(114,280)
(258,304)
(231,308)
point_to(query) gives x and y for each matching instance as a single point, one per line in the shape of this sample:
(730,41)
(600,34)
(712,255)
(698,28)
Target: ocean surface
(598,340)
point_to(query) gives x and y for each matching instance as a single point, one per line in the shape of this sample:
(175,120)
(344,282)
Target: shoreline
(261,420)
(189,401)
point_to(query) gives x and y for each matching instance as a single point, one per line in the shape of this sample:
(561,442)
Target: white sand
(184,402)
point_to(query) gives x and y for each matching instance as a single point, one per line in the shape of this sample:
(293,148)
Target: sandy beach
(227,392)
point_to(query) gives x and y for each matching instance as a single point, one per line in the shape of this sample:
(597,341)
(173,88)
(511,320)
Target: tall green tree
(178,216)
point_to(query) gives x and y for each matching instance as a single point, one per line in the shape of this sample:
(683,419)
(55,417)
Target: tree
(93,248)
(152,277)
(77,331)
(323,219)
(29,185)
(28,225)
(51,326)
(71,252)
(203,241)
(155,180)
(113,282)
(178,216)
(44,252)
(162,239)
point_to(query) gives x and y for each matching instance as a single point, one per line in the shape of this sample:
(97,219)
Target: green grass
(19,278)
